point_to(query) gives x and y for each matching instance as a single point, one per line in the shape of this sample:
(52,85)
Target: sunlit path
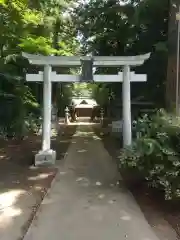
(88,199)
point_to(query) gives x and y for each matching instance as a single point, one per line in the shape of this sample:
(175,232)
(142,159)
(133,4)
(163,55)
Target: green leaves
(32,17)
(81,90)
(109,28)
(155,152)
(37,45)
(100,93)
(37,27)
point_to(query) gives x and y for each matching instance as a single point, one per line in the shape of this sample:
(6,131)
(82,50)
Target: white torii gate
(47,155)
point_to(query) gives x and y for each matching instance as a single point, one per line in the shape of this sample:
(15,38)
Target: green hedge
(155,152)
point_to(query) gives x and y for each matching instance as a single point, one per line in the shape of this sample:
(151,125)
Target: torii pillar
(46,155)
(47,97)
(126,101)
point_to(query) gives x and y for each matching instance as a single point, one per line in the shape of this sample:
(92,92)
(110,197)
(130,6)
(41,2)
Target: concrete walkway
(85,201)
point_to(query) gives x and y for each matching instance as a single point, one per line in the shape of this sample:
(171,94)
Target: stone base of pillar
(45,157)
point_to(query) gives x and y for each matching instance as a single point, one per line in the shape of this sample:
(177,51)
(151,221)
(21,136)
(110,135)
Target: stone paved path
(85,202)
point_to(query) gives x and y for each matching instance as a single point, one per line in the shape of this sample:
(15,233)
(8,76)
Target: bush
(33,123)
(155,152)
(19,109)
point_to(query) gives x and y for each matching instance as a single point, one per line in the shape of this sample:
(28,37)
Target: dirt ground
(22,186)
(163,216)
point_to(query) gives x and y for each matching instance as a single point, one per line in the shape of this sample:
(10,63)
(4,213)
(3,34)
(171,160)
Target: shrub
(33,123)
(155,152)
(19,109)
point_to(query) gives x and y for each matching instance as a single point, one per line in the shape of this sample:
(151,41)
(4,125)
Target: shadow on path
(85,201)
(22,186)
(163,216)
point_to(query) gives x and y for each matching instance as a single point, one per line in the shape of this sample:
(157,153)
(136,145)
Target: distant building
(83,106)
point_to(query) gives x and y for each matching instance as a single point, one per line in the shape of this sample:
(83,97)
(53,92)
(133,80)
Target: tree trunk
(172,58)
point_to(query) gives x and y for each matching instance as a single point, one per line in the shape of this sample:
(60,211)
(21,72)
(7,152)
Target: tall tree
(29,26)
(172,58)
(112,28)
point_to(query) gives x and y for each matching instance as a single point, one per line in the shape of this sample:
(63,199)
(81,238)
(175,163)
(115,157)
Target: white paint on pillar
(126,99)
(47,92)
